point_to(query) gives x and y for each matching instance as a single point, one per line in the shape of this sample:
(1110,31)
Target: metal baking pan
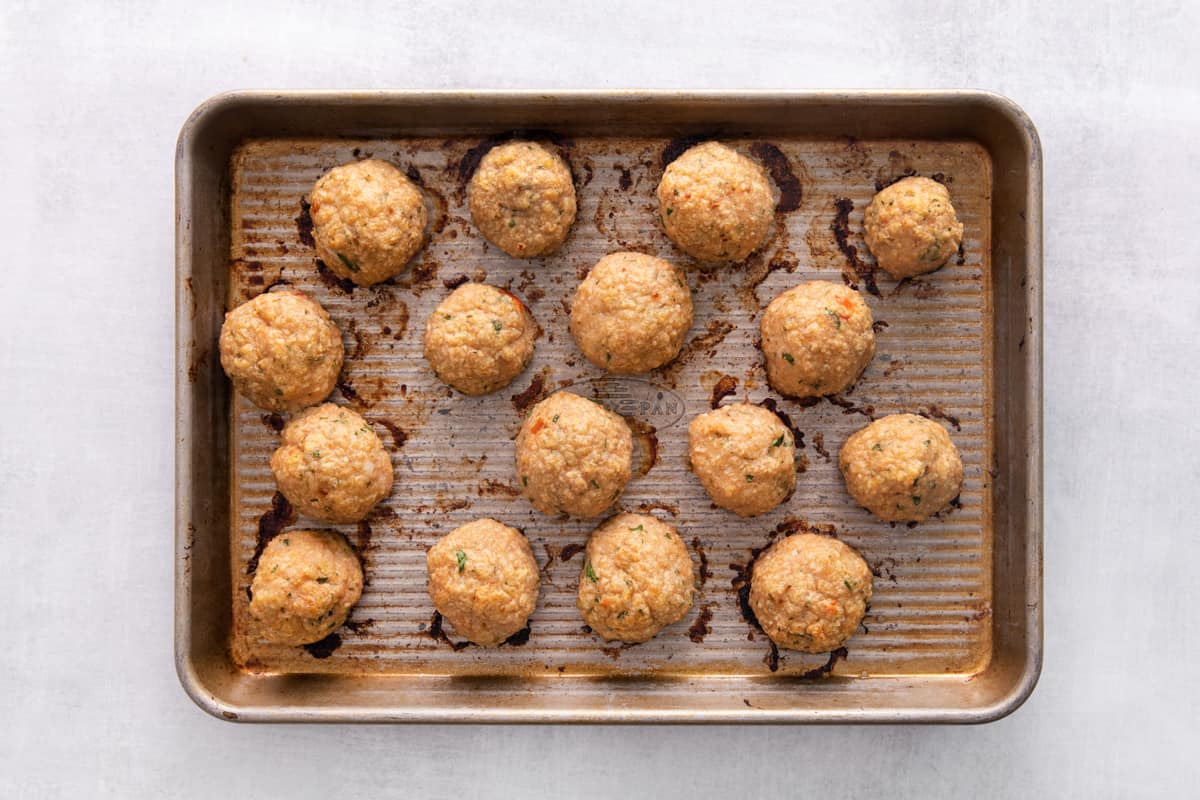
(954,633)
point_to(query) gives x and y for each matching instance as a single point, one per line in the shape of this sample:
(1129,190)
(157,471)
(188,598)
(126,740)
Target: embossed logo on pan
(634,397)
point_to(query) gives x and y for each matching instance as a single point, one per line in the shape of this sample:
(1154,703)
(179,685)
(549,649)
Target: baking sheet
(931,612)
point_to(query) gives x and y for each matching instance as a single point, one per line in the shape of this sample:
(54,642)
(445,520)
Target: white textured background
(92,96)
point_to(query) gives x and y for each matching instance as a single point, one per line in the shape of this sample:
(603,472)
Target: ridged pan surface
(453,455)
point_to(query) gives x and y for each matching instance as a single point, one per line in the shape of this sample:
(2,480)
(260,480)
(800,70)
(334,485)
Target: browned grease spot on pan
(757,269)
(645,436)
(704,343)
(347,389)
(827,667)
(848,407)
(771,659)
(699,628)
(532,394)
(447,504)
(344,285)
(818,440)
(362,345)
(438,635)
(660,505)
(703,572)
(676,147)
(934,412)
(792,525)
(393,313)
(274,520)
(197,364)
(493,488)
(725,386)
(841,233)
(304,224)
(191,293)
(519,638)
(780,167)
(456,281)
(437,220)
(624,178)
(422,274)
(770,404)
(569,551)
(615,652)
(325,647)
(399,435)
(273,422)
(923,290)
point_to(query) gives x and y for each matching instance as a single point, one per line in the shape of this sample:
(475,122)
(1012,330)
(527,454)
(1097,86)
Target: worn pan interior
(954,630)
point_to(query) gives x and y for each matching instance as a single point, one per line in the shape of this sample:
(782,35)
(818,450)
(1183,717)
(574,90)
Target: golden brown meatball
(304,587)
(911,227)
(631,313)
(745,457)
(637,578)
(817,339)
(368,220)
(574,456)
(715,203)
(281,351)
(479,339)
(522,199)
(902,467)
(483,580)
(331,465)
(810,592)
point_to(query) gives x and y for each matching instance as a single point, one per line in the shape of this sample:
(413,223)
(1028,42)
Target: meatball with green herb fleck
(483,580)
(574,456)
(368,220)
(911,228)
(810,592)
(281,351)
(637,578)
(331,466)
(631,313)
(479,339)
(744,456)
(304,587)
(522,199)
(715,203)
(902,468)
(817,338)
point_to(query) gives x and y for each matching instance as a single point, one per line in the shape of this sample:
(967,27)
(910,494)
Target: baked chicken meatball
(911,227)
(744,456)
(902,468)
(368,220)
(810,592)
(817,339)
(574,456)
(631,313)
(715,203)
(479,338)
(281,351)
(331,466)
(522,199)
(483,580)
(637,578)
(304,587)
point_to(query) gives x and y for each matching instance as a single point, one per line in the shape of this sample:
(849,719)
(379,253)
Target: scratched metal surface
(453,455)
